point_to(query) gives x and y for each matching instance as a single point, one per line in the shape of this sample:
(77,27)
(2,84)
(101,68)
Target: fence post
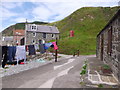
(78,52)
(74,54)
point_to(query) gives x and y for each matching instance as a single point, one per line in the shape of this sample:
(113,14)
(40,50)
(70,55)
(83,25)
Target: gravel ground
(32,63)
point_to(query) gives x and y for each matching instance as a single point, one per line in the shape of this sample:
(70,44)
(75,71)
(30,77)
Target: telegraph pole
(25,32)
(25,37)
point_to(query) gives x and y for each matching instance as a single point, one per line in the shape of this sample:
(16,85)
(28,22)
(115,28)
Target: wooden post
(74,54)
(56,52)
(78,52)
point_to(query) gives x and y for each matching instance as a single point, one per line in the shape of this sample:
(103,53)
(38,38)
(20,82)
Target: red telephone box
(71,33)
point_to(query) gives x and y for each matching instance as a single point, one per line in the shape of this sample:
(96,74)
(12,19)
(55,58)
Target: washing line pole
(56,52)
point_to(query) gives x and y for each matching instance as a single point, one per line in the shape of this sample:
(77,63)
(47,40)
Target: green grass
(86,22)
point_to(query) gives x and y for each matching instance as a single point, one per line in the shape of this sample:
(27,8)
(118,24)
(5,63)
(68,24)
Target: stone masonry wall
(113,58)
(30,37)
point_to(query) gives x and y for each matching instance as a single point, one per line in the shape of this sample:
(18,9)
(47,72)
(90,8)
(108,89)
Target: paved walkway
(94,73)
(48,76)
(13,69)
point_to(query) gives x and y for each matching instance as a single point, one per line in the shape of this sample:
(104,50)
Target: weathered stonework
(108,44)
(39,36)
(34,33)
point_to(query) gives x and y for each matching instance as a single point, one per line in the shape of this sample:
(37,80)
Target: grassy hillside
(86,22)
(9,31)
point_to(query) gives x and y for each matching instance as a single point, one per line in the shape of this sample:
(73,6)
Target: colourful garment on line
(55,46)
(47,45)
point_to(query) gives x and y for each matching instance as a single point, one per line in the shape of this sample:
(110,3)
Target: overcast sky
(13,11)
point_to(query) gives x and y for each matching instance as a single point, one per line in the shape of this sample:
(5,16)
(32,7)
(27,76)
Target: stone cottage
(7,40)
(34,33)
(108,44)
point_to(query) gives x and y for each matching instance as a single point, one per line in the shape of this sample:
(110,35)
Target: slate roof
(43,28)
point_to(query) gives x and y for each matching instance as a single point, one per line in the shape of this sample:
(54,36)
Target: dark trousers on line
(4,55)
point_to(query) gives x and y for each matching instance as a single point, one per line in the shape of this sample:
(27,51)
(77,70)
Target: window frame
(53,35)
(109,49)
(34,34)
(34,27)
(44,35)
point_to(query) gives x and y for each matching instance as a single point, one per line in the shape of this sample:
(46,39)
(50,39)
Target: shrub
(85,66)
(83,72)
(100,86)
(105,66)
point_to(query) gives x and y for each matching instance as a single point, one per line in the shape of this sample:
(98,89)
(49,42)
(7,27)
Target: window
(44,35)
(33,41)
(34,27)
(109,51)
(53,35)
(34,34)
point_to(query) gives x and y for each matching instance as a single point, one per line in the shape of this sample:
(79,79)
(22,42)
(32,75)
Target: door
(22,41)
(102,46)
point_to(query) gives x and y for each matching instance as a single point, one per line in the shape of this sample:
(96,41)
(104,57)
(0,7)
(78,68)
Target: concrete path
(61,74)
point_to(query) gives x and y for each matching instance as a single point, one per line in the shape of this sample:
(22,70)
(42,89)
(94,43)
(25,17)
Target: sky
(15,11)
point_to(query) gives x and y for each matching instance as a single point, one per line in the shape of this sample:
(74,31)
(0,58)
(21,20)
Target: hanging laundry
(55,46)
(0,54)
(36,47)
(20,53)
(41,47)
(31,49)
(11,53)
(22,63)
(26,47)
(47,45)
(14,52)
(4,55)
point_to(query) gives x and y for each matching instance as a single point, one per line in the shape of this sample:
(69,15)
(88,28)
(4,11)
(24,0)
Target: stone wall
(111,45)
(30,38)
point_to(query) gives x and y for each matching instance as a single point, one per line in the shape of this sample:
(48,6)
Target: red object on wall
(71,33)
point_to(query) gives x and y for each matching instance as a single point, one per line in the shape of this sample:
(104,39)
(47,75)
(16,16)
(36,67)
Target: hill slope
(8,31)
(86,22)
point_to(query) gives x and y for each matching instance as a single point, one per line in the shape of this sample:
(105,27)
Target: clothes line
(16,53)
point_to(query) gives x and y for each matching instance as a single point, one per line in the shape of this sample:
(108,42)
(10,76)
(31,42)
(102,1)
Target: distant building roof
(8,38)
(42,28)
(18,32)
